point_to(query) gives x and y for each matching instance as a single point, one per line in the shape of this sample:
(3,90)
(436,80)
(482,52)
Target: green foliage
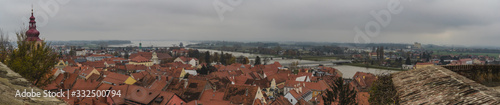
(32,61)
(383,92)
(408,61)
(126,55)
(341,92)
(257,61)
(5,46)
(207,58)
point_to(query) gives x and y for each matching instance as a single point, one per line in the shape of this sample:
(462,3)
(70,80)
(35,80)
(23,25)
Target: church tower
(155,59)
(32,34)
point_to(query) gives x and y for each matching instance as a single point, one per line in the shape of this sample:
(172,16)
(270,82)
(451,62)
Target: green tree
(231,60)
(341,92)
(207,57)
(126,55)
(32,61)
(5,46)
(222,59)
(408,61)
(245,60)
(384,90)
(257,61)
(72,52)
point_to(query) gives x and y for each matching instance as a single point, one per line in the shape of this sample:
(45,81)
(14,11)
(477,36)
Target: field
(318,58)
(458,53)
(374,66)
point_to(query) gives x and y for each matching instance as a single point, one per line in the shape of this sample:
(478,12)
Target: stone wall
(10,82)
(438,85)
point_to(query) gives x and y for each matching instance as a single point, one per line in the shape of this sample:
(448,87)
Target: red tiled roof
(131,67)
(362,98)
(139,59)
(70,69)
(118,100)
(115,78)
(70,80)
(85,70)
(159,84)
(240,94)
(141,94)
(164,96)
(163,56)
(139,75)
(210,95)
(147,55)
(85,85)
(96,64)
(55,83)
(364,80)
(94,77)
(280,100)
(175,100)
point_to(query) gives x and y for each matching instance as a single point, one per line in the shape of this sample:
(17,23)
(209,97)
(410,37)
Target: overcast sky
(441,22)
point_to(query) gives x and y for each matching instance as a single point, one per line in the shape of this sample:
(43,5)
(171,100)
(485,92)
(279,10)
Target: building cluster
(145,79)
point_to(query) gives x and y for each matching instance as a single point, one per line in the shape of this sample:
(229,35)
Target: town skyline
(464,23)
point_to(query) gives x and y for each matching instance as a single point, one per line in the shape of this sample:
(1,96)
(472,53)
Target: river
(347,70)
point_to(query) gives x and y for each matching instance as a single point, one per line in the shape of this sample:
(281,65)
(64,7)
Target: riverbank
(374,66)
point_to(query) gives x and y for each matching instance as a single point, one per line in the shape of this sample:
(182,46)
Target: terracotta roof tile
(240,94)
(141,94)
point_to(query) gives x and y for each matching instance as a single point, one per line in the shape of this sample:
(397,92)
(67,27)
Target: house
(69,80)
(294,96)
(156,58)
(466,61)
(185,60)
(212,97)
(81,52)
(179,52)
(95,64)
(116,79)
(363,81)
(190,89)
(140,95)
(131,68)
(191,72)
(280,100)
(98,57)
(242,94)
(316,88)
(86,72)
(478,62)
(139,60)
(61,64)
(167,98)
(406,67)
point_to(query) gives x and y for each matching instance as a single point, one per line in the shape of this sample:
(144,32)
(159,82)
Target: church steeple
(32,34)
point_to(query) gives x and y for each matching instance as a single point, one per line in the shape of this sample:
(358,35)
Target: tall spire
(32,34)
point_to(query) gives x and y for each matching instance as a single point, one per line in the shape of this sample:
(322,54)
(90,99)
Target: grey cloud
(460,22)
